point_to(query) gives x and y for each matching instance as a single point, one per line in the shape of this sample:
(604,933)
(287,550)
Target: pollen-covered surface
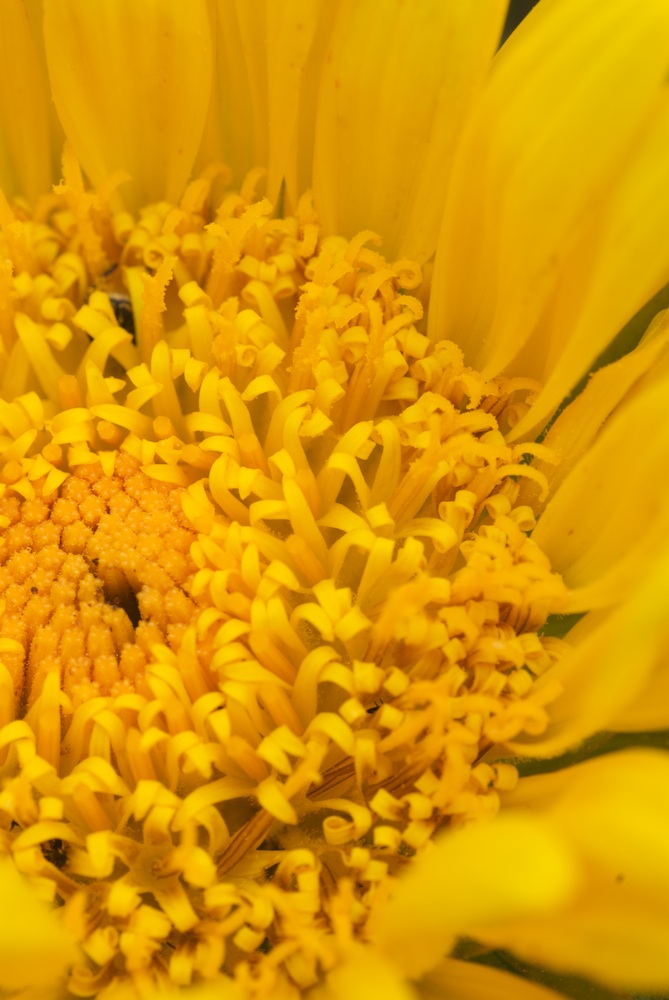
(268,597)
(91,576)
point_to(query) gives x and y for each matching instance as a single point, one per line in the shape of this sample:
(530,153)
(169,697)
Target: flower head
(283,550)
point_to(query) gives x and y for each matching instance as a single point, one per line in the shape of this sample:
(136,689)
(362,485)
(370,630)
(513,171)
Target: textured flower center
(268,594)
(93,574)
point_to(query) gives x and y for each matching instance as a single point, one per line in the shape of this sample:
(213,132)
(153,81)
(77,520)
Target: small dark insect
(128,602)
(110,270)
(55,851)
(34,590)
(123,311)
(374,708)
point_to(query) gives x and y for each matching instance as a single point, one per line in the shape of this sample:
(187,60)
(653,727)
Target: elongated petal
(34,947)
(236,126)
(580,422)
(618,666)
(25,154)
(630,263)
(650,709)
(268,57)
(221,988)
(471,877)
(291,35)
(364,974)
(606,519)
(396,87)
(454,980)
(614,812)
(539,164)
(638,634)
(131,84)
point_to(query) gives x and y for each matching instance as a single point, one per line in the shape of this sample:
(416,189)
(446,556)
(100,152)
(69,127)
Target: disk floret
(269,595)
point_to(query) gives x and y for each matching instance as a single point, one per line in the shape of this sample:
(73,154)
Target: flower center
(270,595)
(93,574)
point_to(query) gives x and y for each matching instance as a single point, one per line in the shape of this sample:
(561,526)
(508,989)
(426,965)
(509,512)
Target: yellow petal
(500,870)
(629,700)
(537,167)
(236,126)
(618,942)
(630,261)
(25,153)
(626,793)
(649,710)
(614,812)
(363,975)
(580,422)
(397,84)
(618,666)
(221,988)
(34,946)
(131,84)
(263,97)
(605,522)
(454,980)
(291,33)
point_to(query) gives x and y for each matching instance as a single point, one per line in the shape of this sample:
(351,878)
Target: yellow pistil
(268,596)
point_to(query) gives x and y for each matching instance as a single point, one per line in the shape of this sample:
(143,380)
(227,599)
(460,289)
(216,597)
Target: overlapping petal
(35,948)
(510,868)
(615,676)
(131,84)
(609,515)
(593,900)
(557,187)
(606,528)
(25,118)
(268,57)
(613,812)
(454,980)
(396,87)
(577,427)
(366,974)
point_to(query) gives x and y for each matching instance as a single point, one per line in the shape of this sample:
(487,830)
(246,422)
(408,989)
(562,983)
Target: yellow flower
(298,564)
